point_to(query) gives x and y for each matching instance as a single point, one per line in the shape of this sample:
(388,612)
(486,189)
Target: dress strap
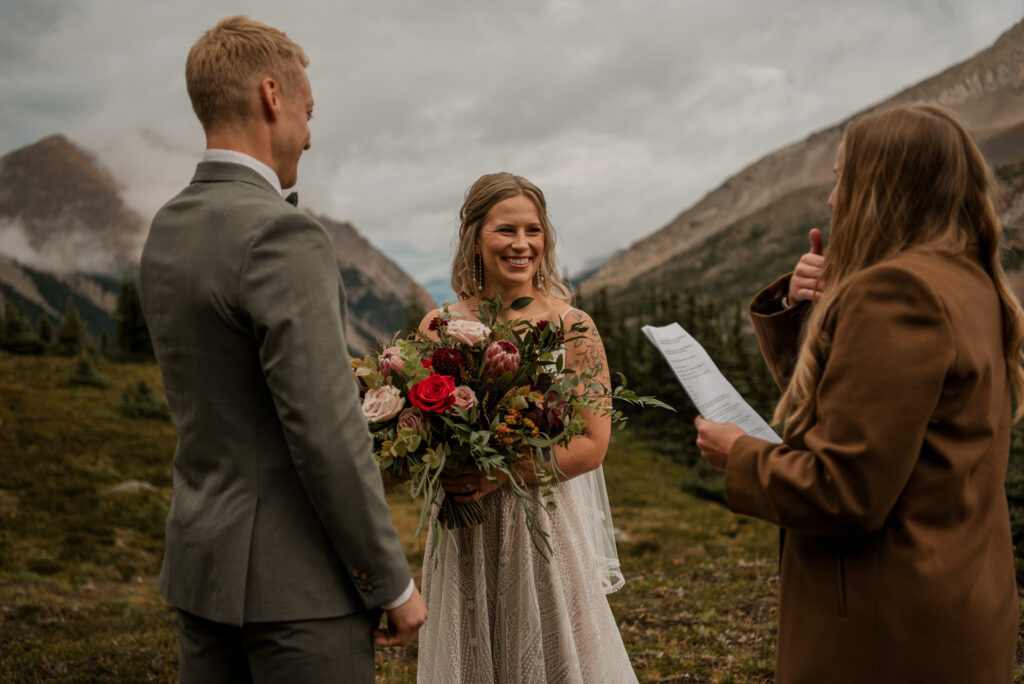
(561,316)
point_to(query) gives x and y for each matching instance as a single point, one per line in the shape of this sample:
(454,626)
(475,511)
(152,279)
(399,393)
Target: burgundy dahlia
(448,361)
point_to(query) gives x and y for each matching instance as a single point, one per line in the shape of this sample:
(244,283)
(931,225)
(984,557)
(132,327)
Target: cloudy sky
(625,112)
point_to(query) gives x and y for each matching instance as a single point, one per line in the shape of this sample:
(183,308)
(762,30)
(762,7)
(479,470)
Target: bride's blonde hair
(911,176)
(487,191)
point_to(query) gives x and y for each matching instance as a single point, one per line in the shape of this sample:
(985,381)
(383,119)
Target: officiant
(896,559)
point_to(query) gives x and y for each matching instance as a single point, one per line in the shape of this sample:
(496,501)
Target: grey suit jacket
(278,510)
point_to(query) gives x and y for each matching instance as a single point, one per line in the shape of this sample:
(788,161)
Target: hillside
(762,213)
(85,491)
(65,231)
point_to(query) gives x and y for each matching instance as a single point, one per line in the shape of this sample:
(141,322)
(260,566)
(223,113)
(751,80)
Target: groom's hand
(403,622)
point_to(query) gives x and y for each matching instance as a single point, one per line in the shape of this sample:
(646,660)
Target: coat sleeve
(883,377)
(291,288)
(778,328)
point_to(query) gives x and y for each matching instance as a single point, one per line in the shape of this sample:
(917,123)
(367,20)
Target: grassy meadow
(84,491)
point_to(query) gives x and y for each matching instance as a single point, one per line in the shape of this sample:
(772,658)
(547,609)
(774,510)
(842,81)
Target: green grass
(78,601)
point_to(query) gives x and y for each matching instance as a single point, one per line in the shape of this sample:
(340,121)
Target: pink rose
(382,403)
(390,361)
(411,417)
(470,333)
(500,358)
(465,398)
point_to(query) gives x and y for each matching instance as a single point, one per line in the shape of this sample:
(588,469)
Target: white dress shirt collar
(235,157)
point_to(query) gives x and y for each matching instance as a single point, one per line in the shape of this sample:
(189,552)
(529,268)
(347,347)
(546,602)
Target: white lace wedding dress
(499,612)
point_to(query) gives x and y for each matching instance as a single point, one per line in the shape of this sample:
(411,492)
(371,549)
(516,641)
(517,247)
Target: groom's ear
(270,98)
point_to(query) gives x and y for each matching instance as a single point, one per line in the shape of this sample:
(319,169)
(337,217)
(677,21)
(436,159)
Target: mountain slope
(60,211)
(778,191)
(377,288)
(66,231)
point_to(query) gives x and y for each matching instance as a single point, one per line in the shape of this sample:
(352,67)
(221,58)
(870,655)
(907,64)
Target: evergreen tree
(16,333)
(133,340)
(412,314)
(71,332)
(16,322)
(44,329)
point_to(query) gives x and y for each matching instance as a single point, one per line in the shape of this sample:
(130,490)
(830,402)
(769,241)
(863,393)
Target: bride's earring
(478,271)
(538,279)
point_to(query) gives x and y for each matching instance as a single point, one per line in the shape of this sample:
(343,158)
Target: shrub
(138,401)
(85,373)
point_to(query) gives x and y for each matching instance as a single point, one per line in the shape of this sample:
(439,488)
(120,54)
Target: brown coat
(896,559)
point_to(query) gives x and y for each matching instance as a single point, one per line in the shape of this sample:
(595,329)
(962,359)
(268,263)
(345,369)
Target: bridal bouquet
(484,395)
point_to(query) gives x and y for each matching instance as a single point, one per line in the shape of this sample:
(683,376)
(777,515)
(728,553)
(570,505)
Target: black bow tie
(292,199)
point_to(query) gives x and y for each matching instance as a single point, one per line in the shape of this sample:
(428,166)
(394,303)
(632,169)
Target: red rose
(433,394)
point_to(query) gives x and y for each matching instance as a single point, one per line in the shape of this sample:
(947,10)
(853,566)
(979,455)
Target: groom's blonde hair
(227,63)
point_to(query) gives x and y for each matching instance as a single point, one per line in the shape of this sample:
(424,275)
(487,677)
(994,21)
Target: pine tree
(412,314)
(15,322)
(133,340)
(44,329)
(16,334)
(71,332)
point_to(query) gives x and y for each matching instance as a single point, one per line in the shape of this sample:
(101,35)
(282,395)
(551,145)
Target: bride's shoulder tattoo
(586,348)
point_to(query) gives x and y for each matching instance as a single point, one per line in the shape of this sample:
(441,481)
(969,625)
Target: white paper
(710,392)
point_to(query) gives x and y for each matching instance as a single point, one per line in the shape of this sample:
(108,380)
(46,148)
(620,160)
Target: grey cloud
(624,112)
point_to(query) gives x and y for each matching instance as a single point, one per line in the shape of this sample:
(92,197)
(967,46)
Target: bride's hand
(472,485)
(391,479)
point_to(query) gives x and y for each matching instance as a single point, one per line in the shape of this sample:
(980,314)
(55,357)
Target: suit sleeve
(881,382)
(778,329)
(291,288)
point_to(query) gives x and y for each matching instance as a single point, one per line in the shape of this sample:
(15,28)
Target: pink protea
(500,358)
(390,361)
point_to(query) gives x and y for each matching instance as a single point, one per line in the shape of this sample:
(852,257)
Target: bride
(498,611)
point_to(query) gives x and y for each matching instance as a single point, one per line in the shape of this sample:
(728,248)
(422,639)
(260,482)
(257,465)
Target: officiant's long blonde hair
(911,177)
(487,191)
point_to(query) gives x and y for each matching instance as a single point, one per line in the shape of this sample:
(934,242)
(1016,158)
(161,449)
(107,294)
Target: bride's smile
(511,242)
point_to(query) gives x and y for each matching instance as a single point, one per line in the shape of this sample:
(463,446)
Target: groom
(280,550)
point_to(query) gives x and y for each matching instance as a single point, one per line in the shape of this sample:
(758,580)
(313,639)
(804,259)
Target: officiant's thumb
(817,244)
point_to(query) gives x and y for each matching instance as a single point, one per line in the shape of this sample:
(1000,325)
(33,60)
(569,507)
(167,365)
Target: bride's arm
(586,354)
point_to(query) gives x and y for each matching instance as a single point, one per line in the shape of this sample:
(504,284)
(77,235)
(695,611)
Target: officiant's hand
(715,441)
(804,285)
(403,622)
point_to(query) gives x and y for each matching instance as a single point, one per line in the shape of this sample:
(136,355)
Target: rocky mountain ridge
(774,200)
(66,231)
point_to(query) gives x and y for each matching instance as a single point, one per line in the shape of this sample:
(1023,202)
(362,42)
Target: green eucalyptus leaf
(521,303)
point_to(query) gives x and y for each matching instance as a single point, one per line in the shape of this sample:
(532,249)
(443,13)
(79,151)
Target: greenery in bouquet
(488,395)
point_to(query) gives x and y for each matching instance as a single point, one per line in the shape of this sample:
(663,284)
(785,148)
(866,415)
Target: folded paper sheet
(710,392)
